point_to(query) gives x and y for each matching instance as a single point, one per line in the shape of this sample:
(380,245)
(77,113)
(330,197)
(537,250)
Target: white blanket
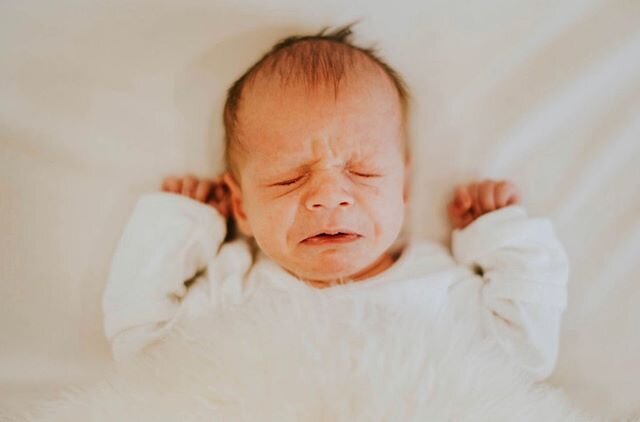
(304,359)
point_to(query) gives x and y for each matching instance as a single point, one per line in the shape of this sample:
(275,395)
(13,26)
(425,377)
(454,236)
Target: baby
(318,171)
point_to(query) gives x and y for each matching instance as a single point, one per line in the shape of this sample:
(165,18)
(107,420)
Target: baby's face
(323,180)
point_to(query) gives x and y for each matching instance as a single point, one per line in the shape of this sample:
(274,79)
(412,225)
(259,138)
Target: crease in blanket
(310,358)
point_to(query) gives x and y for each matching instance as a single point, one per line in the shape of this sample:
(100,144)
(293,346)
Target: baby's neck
(385,261)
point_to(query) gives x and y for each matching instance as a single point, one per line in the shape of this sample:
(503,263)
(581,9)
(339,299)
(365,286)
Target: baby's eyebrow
(293,165)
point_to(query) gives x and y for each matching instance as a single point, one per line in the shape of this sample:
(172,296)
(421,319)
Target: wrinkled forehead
(278,116)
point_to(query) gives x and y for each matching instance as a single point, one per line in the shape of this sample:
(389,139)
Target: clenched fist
(475,199)
(211,192)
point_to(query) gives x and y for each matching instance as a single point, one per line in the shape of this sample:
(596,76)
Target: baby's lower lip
(330,240)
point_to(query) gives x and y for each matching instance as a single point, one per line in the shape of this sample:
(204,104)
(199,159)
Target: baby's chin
(331,268)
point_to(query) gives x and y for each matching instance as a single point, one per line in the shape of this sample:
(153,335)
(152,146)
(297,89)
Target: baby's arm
(168,239)
(523,271)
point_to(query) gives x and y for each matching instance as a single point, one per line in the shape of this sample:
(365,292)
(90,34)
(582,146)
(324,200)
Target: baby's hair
(313,60)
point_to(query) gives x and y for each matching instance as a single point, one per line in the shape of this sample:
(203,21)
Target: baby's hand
(475,199)
(211,192)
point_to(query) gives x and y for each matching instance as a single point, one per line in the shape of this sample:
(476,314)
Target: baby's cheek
(387,214)
(274,219)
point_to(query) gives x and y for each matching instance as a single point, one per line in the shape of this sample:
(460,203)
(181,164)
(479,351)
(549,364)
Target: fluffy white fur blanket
(313,359)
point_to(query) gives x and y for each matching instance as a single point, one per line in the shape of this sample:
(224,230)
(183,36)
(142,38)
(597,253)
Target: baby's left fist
(475,199)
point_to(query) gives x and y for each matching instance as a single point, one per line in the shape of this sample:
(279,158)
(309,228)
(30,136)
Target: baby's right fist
(211,192)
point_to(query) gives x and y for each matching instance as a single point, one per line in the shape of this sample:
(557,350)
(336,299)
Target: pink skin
(476,199)
(211,192)
(320,164)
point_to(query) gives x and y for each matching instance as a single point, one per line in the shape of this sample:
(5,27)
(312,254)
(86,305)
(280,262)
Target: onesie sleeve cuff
(520,257)
(171,204)
(489,232)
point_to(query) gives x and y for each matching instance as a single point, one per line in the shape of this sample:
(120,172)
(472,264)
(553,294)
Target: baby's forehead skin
(273,112)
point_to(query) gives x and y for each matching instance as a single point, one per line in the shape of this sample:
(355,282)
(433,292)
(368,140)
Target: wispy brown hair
(321,59)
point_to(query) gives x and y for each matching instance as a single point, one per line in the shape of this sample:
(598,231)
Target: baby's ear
(237,204)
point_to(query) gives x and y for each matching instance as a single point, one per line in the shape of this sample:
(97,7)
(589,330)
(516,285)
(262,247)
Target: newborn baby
(317,184)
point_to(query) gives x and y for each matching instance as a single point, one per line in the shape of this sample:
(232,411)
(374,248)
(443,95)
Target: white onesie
(508,274)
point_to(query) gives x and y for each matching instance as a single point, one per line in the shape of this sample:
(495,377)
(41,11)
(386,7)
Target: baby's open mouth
(331,237)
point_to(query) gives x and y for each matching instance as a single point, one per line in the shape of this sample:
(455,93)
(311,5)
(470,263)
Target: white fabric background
(100,100)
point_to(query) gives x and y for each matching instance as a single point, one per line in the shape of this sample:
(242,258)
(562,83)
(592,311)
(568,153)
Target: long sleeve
(522,284)
(167,240)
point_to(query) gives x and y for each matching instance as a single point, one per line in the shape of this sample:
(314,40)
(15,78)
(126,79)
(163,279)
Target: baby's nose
(328,195)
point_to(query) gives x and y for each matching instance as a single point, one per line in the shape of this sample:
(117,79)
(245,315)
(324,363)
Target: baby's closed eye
(361,173)
(291,181)
(288,182)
